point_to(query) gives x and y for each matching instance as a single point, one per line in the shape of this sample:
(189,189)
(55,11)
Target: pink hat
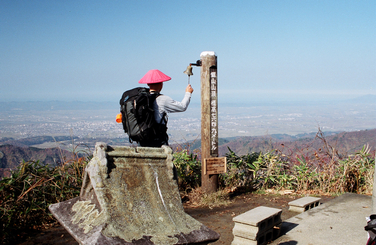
(154,76)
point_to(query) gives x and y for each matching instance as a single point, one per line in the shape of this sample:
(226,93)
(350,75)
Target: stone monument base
(129,196)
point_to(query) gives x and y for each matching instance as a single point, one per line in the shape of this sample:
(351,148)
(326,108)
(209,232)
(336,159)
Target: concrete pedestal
(129,196)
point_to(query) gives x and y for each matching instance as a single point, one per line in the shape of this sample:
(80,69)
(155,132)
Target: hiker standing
(162,105)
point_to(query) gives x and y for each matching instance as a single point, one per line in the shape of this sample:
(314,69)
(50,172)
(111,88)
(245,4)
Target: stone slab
(303,204)
(250,232)
(261,217)
(62,212)
(262,239)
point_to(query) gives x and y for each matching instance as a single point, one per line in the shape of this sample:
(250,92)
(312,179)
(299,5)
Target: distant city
(97,120)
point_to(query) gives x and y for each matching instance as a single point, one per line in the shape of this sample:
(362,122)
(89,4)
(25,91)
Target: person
(163,105)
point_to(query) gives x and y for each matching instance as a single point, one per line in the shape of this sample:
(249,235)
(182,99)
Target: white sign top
(205,53)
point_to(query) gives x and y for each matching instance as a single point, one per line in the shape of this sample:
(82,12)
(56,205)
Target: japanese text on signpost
(213,113)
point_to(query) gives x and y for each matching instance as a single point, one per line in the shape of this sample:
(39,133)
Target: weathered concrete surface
(339,221)
(257,226)
(129,196)
(303,204)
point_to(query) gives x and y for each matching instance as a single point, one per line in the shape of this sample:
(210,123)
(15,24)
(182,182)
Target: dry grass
(197,198)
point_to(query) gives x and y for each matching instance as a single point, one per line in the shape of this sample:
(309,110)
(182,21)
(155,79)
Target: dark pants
(153,143)
(161,139)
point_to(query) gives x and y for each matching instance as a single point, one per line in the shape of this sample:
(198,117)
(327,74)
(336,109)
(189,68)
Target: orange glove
(119,118)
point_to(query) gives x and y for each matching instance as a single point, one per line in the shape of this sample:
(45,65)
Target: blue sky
(267,50)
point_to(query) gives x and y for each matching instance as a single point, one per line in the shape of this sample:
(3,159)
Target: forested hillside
(344,142)
(11,156)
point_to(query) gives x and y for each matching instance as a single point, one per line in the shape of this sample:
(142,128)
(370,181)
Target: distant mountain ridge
(11,156)
(13,152)
(344,142)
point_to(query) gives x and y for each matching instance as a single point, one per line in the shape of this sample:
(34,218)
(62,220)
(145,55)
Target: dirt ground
(218,219)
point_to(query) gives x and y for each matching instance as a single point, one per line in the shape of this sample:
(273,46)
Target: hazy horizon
(195,101)
(97,119)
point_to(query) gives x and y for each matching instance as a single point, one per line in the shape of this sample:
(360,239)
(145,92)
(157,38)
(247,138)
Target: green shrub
(273,171)
(188,168)
(357,172)
(318,174)
(32,187)
(241,171)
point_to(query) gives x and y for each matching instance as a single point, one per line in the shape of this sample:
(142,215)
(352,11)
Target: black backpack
(136,107)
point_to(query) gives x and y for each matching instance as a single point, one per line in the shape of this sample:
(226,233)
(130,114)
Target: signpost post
(211,164)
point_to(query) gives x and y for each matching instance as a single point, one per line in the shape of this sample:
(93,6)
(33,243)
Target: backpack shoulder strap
(154,96)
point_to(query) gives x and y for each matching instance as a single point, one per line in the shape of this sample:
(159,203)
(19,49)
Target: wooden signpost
(212,164)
